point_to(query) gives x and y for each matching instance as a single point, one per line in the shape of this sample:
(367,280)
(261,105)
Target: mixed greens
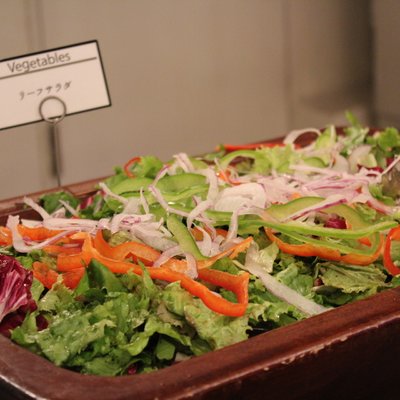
(166,261)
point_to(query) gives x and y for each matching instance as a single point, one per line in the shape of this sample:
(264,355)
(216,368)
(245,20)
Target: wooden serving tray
(348,352)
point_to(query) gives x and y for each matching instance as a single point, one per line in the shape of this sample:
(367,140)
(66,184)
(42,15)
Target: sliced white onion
(294,135)
(69,208)
(279,189)
(191,271)
(115,222)
(233,225)
(248,194)
(133,206)
(197,211)
(144,202)
(104,223)
(309,168)
(212,180)
(161,173)
(69,223)
(40,210)
(126,221)
(168,254)
(391,165)
(284,292)
(151,237)
(30,223)
(206,244)
(59,213)
(19,243)
(111,194)
(341,164)
(184,162)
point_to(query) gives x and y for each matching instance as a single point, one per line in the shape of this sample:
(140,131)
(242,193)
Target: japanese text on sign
(74,74)
(48,90)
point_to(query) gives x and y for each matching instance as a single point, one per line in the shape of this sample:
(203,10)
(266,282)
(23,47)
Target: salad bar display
(186,269)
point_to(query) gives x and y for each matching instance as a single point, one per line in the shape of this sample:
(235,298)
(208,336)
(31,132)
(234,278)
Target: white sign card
(74,74)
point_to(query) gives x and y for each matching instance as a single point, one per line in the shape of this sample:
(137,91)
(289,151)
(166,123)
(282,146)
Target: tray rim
(215,372)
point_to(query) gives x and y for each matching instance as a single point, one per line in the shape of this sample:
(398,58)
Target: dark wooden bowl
(346,353)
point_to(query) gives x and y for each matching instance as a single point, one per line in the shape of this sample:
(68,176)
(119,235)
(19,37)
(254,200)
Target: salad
(170,260)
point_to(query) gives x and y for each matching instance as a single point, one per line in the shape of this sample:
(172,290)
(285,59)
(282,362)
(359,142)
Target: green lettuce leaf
(263,258)
(69,335)
(352,278)
(218,330)
(388,139)
(354,135)
(51,201)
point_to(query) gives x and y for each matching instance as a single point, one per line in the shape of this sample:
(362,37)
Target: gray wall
(186,75)
(386,62)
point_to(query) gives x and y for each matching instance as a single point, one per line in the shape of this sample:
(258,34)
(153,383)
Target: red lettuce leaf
(15,293)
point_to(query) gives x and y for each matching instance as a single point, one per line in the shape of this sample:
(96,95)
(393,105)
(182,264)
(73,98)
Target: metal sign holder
(55,138)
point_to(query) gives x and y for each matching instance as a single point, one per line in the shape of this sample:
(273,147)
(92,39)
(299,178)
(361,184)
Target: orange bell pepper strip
(310,250)
(128,165)
(391,267)
(360,259)
(37,234)
(231,252)
(236,283)
(240,247)
(181,265)
(148,255)
(55,249)
(138,251)
(5,236)
(72,278)
(44,274)
(48,277)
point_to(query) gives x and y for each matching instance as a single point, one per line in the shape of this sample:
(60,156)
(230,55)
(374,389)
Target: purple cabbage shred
(15,294)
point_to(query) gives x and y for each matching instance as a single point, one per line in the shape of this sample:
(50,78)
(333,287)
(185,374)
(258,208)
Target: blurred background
(187,75)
